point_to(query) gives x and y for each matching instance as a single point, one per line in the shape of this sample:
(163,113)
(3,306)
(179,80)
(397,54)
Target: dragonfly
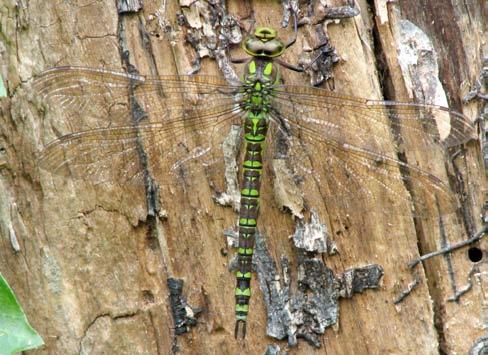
(351,148)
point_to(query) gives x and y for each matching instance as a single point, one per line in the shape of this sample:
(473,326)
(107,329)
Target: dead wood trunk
(92,267)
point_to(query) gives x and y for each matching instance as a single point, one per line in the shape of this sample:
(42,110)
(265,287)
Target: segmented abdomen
(255,127)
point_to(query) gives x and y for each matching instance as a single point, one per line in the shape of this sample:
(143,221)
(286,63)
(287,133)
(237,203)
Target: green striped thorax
(260,77)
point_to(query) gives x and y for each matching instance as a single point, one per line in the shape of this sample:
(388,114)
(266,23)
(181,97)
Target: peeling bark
(90,265)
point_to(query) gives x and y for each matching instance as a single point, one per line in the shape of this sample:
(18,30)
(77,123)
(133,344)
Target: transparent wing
(111,123)
(356,150)
(90,98)
(339,115)
(116,154)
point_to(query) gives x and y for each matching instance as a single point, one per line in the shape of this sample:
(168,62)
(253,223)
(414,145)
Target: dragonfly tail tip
(240,329)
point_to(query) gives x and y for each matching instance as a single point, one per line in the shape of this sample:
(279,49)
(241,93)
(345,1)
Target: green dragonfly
(349,147)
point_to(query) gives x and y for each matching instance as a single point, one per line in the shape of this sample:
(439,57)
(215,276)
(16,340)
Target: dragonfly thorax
(259,79)
(261,70)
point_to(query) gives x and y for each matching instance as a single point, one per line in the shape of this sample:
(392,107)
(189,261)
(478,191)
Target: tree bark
(90,266)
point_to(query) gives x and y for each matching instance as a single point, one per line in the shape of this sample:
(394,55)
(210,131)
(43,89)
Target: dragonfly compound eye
(258,47)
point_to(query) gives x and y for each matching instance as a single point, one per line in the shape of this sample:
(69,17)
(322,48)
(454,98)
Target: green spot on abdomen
(253,164)
(240,275)
(245,251)
(250,192)
(246,292)
(247,222)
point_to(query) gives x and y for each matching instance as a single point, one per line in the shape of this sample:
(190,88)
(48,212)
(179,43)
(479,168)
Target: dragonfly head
(264,43)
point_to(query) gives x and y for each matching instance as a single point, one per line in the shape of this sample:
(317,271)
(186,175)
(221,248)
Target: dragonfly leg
(291,66)
(238,60)
(299,68)
(292,41)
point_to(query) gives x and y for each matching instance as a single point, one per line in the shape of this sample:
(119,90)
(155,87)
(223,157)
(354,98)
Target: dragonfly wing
(172,149)
(433,125)
(354,147)
(89,98)
(112,124)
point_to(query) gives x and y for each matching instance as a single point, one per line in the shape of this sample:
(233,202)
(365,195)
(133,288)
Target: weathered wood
(126,6)
(457,33)
(90,267)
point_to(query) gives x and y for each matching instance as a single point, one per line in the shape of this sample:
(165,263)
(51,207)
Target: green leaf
(16,334)
(3,91)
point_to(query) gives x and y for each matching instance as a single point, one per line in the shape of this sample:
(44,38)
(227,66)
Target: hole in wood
(475,254)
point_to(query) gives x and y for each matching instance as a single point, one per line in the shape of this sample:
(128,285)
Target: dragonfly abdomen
(255,129)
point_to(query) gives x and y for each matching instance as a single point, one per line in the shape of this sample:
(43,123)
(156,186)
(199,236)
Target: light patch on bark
(230,147)
(418,62)
(3,91)
(286,192)
(313,236)
(10,217)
